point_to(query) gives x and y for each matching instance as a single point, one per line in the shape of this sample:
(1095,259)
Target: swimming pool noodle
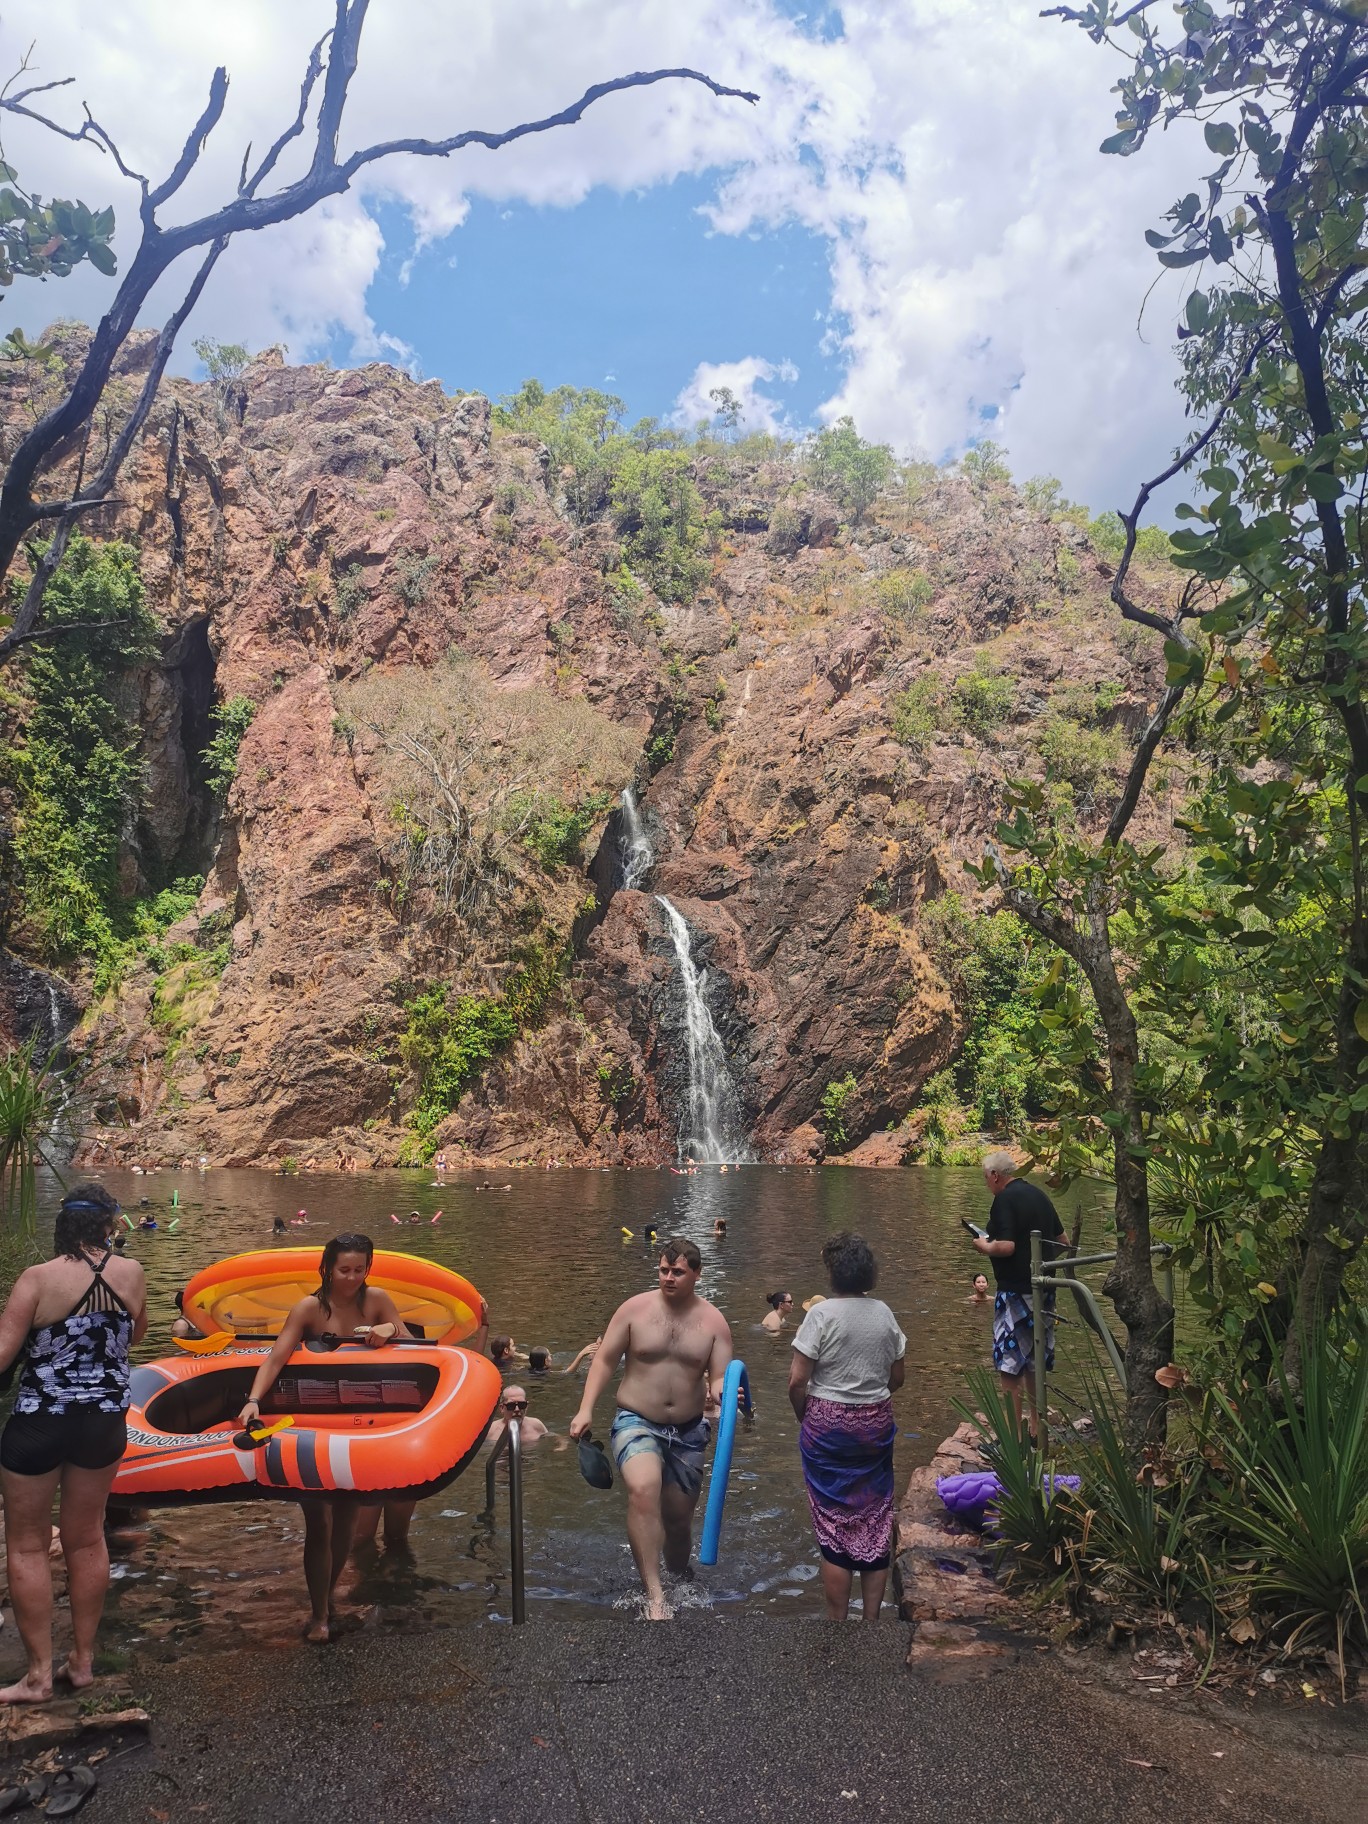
(735,1380)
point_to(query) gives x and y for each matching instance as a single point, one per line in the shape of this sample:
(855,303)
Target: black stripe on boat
(275,1463)
(306,1447)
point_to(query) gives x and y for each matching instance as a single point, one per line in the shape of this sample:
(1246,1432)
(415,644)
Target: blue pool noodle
(735,1379)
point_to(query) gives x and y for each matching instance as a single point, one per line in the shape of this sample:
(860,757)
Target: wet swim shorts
(681,1448)
(36,1443)
(1014,1333)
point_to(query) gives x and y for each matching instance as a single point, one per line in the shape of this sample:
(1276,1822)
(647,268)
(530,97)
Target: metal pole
(515,1520)
(1038,1332)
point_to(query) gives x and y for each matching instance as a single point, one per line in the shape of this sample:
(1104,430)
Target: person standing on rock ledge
(677,1347)
(1017,1209)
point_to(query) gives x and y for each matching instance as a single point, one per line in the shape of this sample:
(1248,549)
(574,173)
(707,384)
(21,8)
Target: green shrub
(349,591)
(659,513)
(1034,1529)
(27,1107)
(983,699)
(854,472)
(835,1098)
(1081,757)
(231,721)
(413,573)
(555,831)
(917,713)
(448,1041)
(1296,1515)
(75,771)
(903,593)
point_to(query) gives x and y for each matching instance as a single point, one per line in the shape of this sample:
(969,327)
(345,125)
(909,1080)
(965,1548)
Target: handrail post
(510,1440)
(1038,1331)
(515,1521)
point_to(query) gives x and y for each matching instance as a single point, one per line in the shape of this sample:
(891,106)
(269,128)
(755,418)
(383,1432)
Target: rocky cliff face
(305,532)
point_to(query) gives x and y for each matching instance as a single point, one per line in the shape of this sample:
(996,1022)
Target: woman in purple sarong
(847,1362)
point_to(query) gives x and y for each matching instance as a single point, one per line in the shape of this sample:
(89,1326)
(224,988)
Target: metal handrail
(1053,1281)
(511,1441)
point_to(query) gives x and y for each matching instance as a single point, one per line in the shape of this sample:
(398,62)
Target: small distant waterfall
(714,1131)
(635,854)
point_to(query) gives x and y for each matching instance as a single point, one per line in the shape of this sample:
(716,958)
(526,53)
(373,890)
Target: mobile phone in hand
(974,1229)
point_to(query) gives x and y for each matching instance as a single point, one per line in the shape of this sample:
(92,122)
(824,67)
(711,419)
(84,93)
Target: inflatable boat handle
(734,1382)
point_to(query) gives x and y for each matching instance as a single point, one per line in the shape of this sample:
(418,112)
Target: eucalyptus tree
(1266,634)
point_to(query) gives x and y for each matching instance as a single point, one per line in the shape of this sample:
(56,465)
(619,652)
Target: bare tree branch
(1146,617)
(106,140)
(247,211)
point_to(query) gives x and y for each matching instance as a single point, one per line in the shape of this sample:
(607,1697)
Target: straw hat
(818,1298)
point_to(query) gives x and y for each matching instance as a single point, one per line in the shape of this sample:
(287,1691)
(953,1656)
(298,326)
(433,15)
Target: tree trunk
(1130,1284)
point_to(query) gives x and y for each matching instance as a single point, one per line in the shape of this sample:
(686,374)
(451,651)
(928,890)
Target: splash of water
(635,855)
(713,1131)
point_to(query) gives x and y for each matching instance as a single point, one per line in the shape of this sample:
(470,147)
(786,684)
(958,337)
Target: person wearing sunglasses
(513,1405)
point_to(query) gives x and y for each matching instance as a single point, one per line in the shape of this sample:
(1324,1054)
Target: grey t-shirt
(852,1343)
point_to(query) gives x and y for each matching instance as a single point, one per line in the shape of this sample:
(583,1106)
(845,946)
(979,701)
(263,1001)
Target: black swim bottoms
(36,1443)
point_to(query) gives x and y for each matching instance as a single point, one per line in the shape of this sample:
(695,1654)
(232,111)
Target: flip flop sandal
(18,1798)
(69,1790)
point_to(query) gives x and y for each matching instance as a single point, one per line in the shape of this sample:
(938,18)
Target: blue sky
(914,216)
(627,293)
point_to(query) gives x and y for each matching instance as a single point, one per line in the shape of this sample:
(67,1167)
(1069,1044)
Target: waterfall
(635,855)
(714,1131)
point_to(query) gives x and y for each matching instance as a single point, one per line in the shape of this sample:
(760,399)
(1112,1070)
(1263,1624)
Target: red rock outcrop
(309,527)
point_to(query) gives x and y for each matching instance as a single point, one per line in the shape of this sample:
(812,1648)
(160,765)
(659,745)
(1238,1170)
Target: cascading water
(635,854)
(713,1131)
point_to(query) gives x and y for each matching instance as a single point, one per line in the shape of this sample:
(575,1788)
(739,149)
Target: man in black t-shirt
(1018,1207)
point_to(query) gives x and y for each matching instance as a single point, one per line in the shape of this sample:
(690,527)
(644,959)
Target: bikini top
(80,1359)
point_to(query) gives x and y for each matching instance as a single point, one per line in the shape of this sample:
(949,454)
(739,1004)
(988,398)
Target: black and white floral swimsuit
(82,1358)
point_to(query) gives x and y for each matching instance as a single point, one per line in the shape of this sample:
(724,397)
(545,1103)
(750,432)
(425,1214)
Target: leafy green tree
(659,512)
(231,721)
(853,471)
(1272,608)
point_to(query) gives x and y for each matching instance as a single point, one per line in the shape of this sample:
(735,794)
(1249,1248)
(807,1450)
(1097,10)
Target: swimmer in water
(504,1352)
(979,1295)
(147,1222)
(585,1355)
(780,1306)
(278,1226)
(414,1216)
(342,1305)
(720,1226)
(538,1360)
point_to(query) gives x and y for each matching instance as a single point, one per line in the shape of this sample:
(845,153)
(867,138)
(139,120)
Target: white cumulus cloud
(743,379)
(986,263)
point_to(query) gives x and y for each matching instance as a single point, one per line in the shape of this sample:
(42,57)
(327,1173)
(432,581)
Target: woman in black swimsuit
(79,1314)
(343,1306)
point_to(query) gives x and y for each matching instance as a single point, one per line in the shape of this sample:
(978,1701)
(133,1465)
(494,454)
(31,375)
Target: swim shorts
(1014,1332)
(681,1448)
(36,1443)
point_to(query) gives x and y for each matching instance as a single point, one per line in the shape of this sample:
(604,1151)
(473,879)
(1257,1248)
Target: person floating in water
(780,1306)
(677,1347)
(979,1296)
(720,1227)
(147,1222)
(278,1226)
(504,1352)
(538,1360)
(343,1305)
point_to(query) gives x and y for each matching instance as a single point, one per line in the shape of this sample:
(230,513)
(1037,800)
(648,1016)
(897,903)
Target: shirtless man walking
(677,1347)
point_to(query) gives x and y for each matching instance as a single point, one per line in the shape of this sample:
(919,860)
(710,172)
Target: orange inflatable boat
(389,1424)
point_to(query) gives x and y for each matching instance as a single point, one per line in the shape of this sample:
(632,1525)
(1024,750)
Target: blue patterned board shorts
(1014,1332)
(681,1450)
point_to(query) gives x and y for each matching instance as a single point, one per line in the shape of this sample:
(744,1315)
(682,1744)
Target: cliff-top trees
(263,197)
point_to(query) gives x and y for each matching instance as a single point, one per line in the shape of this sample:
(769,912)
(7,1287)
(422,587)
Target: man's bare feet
(28,1690)
(78,1673)
(658,1609)
(316,1633)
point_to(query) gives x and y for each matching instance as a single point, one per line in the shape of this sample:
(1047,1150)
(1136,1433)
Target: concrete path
(618,1722)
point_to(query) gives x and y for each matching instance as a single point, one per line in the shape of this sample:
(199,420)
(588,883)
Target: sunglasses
(515,1405)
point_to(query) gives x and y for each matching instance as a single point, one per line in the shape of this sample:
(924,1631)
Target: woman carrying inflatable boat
(343,1306)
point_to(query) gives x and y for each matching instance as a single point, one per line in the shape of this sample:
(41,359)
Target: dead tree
(24,513)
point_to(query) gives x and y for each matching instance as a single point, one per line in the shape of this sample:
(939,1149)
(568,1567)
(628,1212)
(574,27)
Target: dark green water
(549,1255)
